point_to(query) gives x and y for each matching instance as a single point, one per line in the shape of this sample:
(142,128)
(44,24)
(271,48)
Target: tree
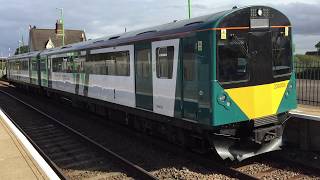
(318,46)
(23,49)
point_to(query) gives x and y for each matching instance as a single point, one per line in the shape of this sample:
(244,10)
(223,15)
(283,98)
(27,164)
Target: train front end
(254,81)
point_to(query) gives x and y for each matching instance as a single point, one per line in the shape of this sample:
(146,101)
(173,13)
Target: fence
(308,82)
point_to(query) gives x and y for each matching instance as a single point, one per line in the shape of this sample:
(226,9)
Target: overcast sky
(106,17)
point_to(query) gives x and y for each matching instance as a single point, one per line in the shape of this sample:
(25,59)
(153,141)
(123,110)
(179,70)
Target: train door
(261,57)
(30,70)
(44,70)
(164,75)
(143,76)
(189,79)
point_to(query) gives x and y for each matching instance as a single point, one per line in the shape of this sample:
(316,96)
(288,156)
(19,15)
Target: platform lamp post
(62,23)
(189,8)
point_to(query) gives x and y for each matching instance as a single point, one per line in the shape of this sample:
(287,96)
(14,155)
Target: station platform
(307,112)
(303,129)
(18,158)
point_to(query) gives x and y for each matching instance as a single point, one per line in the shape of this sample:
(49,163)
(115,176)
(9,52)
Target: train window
(281,52)
(57,64)
(24,65)
(233,60)
(164,62)
(43,64)
(111,63)
(189,60)
(143,63)
(68,64)
(122,64)
(79,64)
(34,65)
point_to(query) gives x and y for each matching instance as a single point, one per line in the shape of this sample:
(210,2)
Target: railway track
(68,150)
(252,170)
(270,168)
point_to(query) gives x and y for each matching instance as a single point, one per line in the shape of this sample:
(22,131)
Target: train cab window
(233,60)
(281,52)
(164,62)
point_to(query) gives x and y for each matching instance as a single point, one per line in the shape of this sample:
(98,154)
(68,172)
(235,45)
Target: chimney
(59,28)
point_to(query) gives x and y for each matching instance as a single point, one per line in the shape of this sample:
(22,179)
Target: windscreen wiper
(244,50)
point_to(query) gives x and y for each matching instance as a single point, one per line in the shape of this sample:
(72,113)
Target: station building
(40,39)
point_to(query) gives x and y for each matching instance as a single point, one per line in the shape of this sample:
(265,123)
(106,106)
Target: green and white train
(3,69)
(224,81)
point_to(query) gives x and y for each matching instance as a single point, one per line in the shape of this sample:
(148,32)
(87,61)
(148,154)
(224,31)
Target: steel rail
(138,170)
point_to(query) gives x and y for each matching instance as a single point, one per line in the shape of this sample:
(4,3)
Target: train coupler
(265,135)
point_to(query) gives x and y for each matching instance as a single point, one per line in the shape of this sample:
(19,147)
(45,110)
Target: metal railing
(308,82)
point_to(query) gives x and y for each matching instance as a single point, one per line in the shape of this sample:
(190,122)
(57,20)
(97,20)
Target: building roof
(40,37)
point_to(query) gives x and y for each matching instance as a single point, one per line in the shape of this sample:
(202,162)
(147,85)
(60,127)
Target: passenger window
(57,64)
(78,64)
(34,65)
(123,63)
(43,64)
(111,63)
(164,62)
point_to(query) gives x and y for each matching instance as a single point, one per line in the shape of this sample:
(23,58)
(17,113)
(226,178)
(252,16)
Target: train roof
(25,55)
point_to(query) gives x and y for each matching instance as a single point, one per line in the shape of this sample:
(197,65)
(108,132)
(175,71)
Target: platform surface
(307,111)
(15,161)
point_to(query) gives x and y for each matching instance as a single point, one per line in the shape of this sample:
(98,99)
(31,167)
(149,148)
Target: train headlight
(290,86)
(259,12)
(228,104)
(223,98)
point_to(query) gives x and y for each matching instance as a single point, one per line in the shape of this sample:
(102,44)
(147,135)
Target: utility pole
(62,22)
(189,8)
(19,43)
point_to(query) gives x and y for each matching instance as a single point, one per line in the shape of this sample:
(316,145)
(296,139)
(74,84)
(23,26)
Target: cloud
(304,42)
(304,17)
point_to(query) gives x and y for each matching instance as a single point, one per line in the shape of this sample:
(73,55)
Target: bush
(307,67)
(307,59)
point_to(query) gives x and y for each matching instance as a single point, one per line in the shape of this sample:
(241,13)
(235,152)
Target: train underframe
(237,141)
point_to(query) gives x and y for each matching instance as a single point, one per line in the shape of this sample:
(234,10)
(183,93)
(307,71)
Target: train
(3,69)
(220,83)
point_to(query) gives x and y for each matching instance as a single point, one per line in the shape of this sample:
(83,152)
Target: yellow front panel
(259,101)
